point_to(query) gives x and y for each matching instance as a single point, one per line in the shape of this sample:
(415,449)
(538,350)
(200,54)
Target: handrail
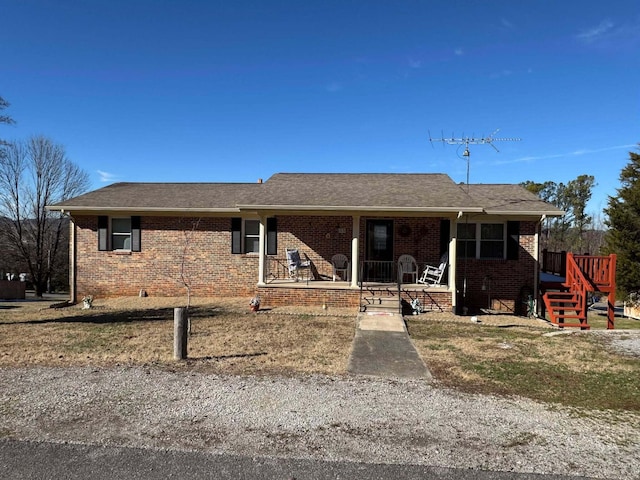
(578,283)
(399,292)
(378,271)
(600,270)
(585,273)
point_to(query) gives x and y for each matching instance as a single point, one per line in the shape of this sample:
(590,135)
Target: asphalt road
(40,460)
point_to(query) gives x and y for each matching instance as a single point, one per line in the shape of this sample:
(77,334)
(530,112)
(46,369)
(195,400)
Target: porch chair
(295,264)
(341,267)
(407,266)
(433,275)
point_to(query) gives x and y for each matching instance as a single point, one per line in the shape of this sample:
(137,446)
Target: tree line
(34,173)
(579,232)
(575,231)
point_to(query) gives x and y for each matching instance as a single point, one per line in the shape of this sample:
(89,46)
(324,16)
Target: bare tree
(185,277)
(34,174)
(5,118)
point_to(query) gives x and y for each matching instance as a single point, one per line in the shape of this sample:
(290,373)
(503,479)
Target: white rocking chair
(433,275)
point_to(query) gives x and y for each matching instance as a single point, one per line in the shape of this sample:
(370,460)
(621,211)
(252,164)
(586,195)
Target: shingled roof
(362,191)
(314,191)
(504,199)
(163,197)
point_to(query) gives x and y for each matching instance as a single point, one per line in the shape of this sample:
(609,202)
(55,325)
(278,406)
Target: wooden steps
(583,274)
(565,307)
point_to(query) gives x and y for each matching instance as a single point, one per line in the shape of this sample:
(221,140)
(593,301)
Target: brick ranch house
(230,239)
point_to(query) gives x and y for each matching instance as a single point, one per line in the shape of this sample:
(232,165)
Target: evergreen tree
(623,237)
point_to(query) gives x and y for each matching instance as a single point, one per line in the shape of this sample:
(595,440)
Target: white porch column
(261,250)
(73,286)
(355,248)
(453,263)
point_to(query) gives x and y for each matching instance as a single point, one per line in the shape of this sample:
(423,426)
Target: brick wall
(209,266)
(504,279)
(212,270)
(340,297)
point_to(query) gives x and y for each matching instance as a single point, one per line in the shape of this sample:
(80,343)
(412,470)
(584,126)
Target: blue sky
(234,91)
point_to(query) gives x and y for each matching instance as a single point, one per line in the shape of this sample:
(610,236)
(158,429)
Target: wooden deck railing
(599,270)
(554,263)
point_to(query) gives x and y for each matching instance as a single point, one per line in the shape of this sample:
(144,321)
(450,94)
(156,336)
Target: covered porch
(373,247)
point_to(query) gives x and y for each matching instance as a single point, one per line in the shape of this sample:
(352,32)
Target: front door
(379,251)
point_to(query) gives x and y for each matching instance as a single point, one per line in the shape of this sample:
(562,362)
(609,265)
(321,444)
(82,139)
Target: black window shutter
(135,234)
(513,240)
(103,232)
(445,233)
(236,235)
(272,236)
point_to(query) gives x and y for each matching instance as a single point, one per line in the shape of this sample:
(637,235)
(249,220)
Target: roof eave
(71,209)
(527,213)
(360,208)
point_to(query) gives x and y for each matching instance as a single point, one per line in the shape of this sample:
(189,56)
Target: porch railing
(554,263)
(599,270)
(378,271)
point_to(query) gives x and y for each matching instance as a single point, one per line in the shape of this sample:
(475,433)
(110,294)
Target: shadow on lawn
(228,357)
(8,307)
(98,316)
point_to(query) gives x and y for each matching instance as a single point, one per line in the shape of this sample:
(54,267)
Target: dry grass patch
(573,369)
(225,338)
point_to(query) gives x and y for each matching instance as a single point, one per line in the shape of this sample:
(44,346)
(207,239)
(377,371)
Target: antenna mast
(466,141)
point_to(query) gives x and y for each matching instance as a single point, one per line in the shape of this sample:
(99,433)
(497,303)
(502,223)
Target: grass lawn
(225,338)
(574,369)
(577,369)
(598,320)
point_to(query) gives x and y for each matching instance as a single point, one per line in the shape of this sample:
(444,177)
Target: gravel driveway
(332,418)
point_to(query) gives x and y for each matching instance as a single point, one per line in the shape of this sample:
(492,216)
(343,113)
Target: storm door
(379,265)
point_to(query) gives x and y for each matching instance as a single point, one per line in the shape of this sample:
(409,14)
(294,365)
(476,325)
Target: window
(119,233)
(491,240)
(251,236)
(481,240)
(245,236)
(466,240)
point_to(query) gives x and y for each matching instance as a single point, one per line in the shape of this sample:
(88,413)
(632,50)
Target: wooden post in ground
(179,333)
(611,297)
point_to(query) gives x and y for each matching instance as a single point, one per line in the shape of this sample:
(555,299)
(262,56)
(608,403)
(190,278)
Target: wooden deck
(565,293)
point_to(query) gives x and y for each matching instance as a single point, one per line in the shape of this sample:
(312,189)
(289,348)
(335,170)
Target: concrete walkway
(382,347)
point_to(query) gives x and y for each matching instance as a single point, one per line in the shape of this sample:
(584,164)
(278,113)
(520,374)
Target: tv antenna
(472,140)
